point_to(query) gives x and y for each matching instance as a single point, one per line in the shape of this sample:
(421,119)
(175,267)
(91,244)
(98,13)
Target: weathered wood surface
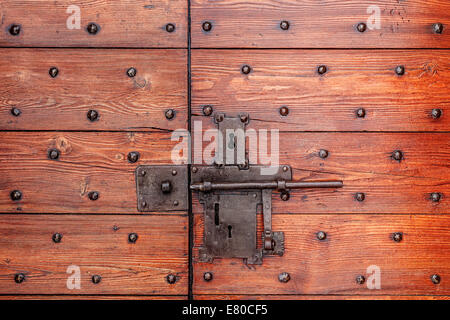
(89,161)
(98,248)
(87,297)
(123,23)
(313,24)
(353,243)
(354,79)
(93,80)
(317,297)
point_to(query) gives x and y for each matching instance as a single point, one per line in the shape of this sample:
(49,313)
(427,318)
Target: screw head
(361,27)
(436,113)
(321,235)
(284,195)
(243,117)
(435,278)
(438,28)
(96,279)
(361,113)
(53,154)
(207,26)
(53,72)
(132,237)
(92,28)
(19,277)
(246,69)
(322,69)
(218,117)
(170,27)
(131,72)
(207,110)
(16,195)
(170,114)
(397,236)
(284,111)
(208,276)
(92,115)
(397,155)
(15,112)
(284,25)
(14,29)
(435,197)
(284,277)
(400,70)
(360,279)
(171,278)
(133,156)
(93,195)
(57,237)
(360,196)
(323,153)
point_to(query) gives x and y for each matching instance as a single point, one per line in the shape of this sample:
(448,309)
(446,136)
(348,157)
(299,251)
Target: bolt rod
(207,186)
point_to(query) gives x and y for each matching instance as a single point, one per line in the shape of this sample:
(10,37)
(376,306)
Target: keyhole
(229,231)
(232,142)
(216,214)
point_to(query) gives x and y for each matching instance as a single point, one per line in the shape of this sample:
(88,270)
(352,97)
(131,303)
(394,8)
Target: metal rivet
(438,28)
(361,113)
(53,72)
(194,169)
(166,187)
(14,29)
(174,172)
(361,27)
(435,278)
(131,72)
(115,228)
(218,117)
(285,168)
(93,195)
(284,277)
(207,26)
(397,155)
(133,156)
(57,237)
(359,196)
(92,28)
(321,235)
(400,70)
(132,237)
(143,173)
(170,27)
(53,154)
(360,279)
(143,204)
(397,236)
(284,25)
(284,111)
(170,114)
(176,203)
(436,113)
(243,117)
(96,279)
(171,278)
(207,110)
(246,69)
(15,112)
(435,197)
(208,276)
(16,195)
(322,69)
(92,115)
(284,195)
(323,153)
(19,277)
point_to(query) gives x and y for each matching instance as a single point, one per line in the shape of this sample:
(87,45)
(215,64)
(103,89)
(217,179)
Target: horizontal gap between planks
(169,131)
(168,214)
(220,48)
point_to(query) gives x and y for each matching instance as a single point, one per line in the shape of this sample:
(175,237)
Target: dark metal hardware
(246,69)
(171,278)
(14,29)
(284,25)
(93,195)
(360,196)
(170,114)
(208,276)
(15,112)
(92,115)
(170,27)
(53,72)
(131,72)
(322,69)
(361,27)
(16,195)
(435,278)
(96,279)
(435,197)
(132,237)
(436,113)
(207,110)
(397,236)
(438,28)
(207,26)
(19,277)
(133,156)
(397,155)
(360,279)
(284,277)
(323,153)
(361,113)
(400,70)
(53,154)
(284,111)
(57,237)
(321,235)
(93,28)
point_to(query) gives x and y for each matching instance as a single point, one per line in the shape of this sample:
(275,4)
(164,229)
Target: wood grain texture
(363,161)
(353,243)
(354,79)
(89,161)
(324,24)
(317,297)
(123,23)
(93,244)
(93,79)
(90,297)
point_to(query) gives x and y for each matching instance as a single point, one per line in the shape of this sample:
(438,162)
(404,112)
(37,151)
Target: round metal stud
(246,69)
(194,169)
(284,25)
(93,195)
(284,111)
(174,172)
(96,279)
(284,277)
(361,27)
(438,28)
(323,153)
(19,278)
(170,27)
(284,195)
(359,196)
(435,197)
(397,155)
(360,113)
(397,236)
(131,72)
(16,112)
(321,235)
(92,28)
(92,115)
(218,117)
(57,237)
(244,118)
(133,157)
(436,113)
(53,72)
(14,29)
(16,195)
(322,69)
(171,278)
(208,276)
(207,110)
(170,114)
(207,26)
(436,279)
(53,154)
(132,237)
(360,279)
(400,70)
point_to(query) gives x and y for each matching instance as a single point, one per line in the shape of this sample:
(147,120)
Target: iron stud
(132,237)
(435,197)
(438,28)
(284,25)
(360,279)
(133,156)
(323,153)
(207,110)
(360,196)
(361,113)
(284,277)
(92,115)
(170,27)
(361,27)
(171,278)
(397,155)
(400,70)
(436,113)
(322,69)
(207,26)
(93,195)
(16,195)
(15,112)
(170,114)
(57,237)
(284,195)
(397,236)
(435,278)
(19,277)
(96,279)
(53,154)
(92,28)
(53,72)
(321,235)
(14,29)
(284,111)
(208,276)
(246,69)
(131,72)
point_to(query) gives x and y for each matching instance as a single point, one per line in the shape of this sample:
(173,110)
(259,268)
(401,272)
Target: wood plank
(124,23)
(90,297)
(363,161)
(93,80)
(353,243)
(97,248)
(89,161)
(354,79)
(313,24)
(316,297)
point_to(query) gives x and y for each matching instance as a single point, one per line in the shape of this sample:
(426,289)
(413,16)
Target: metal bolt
(321,235)
(92,28)
(19,277)
(284,195)
(322,69)
(436,113)
(170,114)
(53,154)
(218,117)
(400,70)
(397,236)
(170,27)
(14,29)
(323,153)
(16,195)
(361,113)
(207,110)
(174,172)
(166,187)
(285,168)
(207,26)
(171,278)
(92,115)
(131,72)
(360,279)
(57,237)
(359,196)
(15,112)
(284,277)
(53,72)
(438,28)
(284,111)
(96,279)
(397,155)
(435,197)
(194,169)
(246,69)
(435,278)
(133,156)
(93,195)
(284,25)
(143,173)
(132,237)
(361,27)
(208,276)
(243,117)
(176,203)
